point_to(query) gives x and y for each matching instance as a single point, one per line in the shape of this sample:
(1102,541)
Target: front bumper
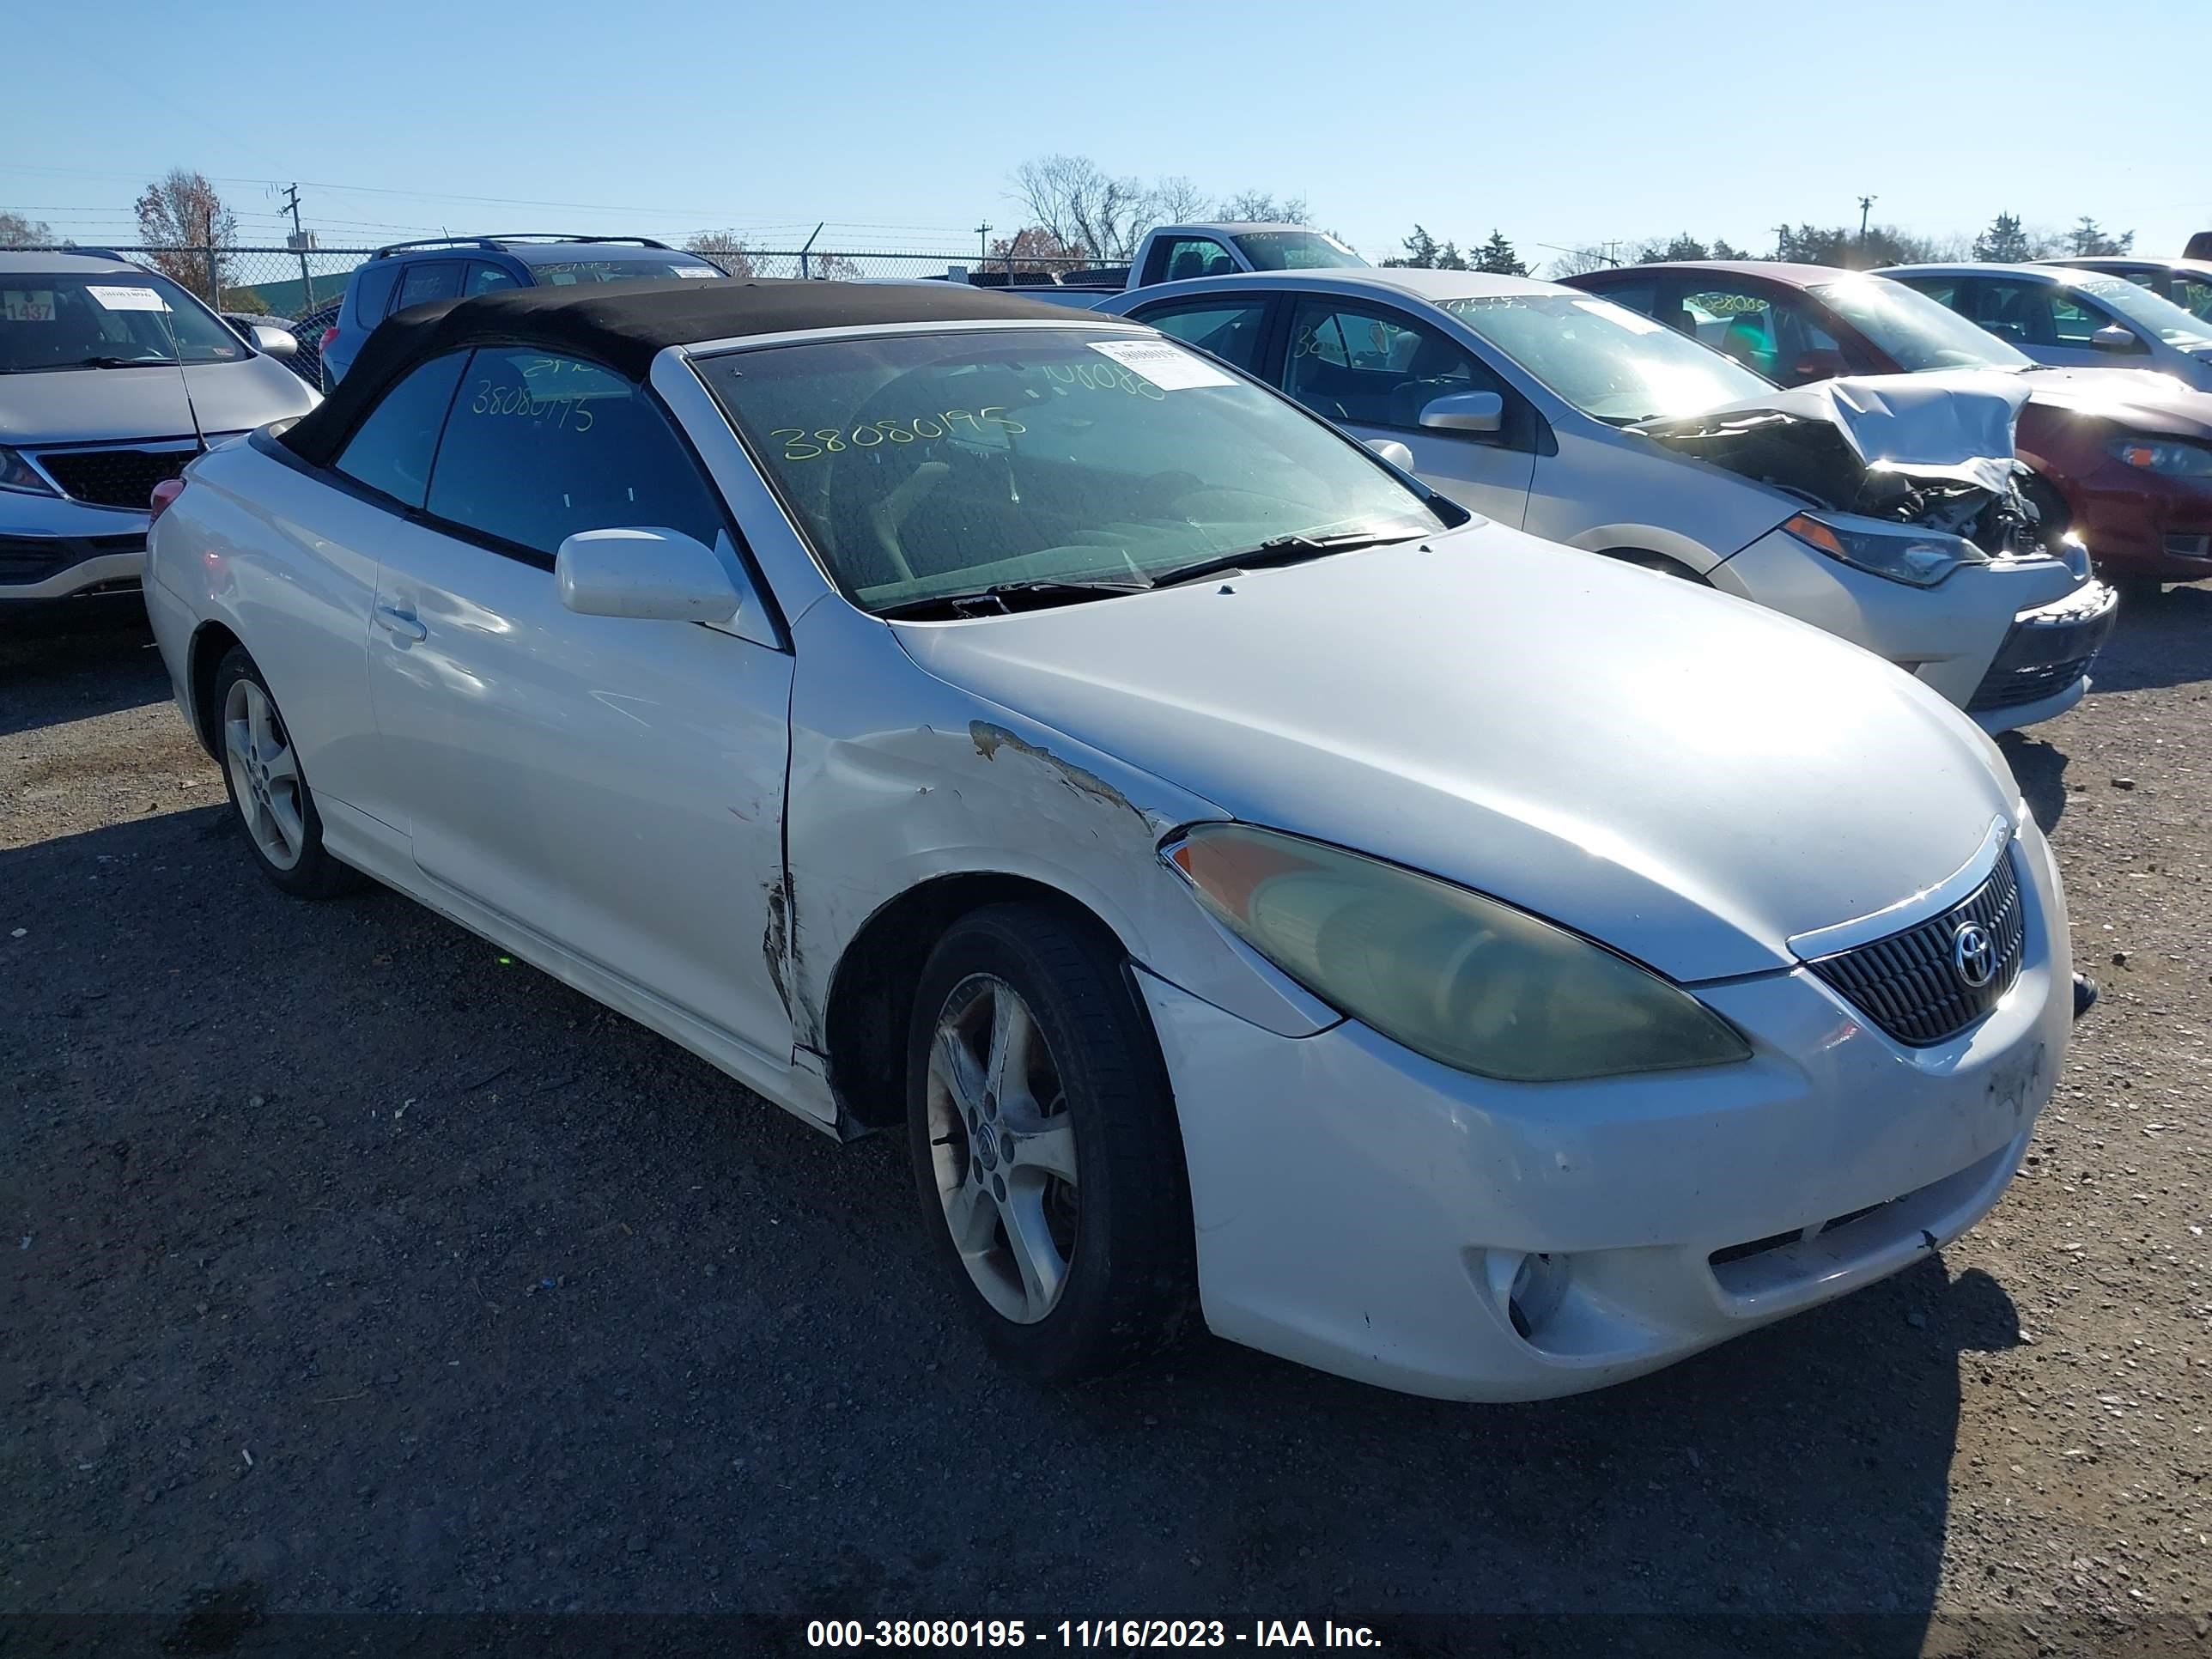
(54,551)
(2042,669)
(1947,635)
(2143,523)
(1369,1212)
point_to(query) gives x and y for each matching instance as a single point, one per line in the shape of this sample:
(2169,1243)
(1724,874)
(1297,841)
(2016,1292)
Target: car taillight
(329,335)
(164,493)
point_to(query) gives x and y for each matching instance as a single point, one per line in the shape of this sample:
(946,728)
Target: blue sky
(899,123)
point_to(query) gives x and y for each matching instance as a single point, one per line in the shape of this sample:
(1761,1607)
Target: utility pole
(982,245)
(299,245)
(1781,241)
(1866,204)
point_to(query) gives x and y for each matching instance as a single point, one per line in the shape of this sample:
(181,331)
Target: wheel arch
(211,642)
(870,998)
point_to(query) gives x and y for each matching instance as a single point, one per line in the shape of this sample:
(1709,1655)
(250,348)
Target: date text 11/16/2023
(1085,1633)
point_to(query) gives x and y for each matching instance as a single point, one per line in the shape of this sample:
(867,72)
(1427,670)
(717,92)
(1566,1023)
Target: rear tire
(267,789)
(1047,1154)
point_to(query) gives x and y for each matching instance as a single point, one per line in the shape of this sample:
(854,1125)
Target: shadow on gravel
(48,680)
(2162,642)
(2039,768)
(352,1262)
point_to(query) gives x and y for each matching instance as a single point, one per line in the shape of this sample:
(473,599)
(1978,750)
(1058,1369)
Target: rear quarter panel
(287,564)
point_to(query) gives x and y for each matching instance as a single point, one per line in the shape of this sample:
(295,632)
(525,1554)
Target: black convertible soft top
(625,324)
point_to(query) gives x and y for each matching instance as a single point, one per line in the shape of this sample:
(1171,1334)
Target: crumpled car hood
(1686,776)
(1955,424)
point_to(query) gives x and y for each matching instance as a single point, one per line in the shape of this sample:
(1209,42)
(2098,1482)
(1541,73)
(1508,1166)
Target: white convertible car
(1251,882)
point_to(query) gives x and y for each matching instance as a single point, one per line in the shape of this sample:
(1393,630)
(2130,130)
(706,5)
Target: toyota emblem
(1974,954)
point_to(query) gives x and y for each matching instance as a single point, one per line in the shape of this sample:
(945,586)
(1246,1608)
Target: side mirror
(2113,337)
(276,342)
(661,575)
(1393,451)
(1465,411)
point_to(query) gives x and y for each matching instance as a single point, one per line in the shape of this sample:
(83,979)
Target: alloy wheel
(265,777)
(1002,1145)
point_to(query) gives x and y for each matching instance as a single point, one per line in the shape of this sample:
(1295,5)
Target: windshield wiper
(119,362)
(1281,550)
(1002,594)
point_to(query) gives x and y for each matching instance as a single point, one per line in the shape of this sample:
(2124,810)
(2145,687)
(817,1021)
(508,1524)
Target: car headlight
(1467,981)
(15,474)
(1920,558)
(2165,455)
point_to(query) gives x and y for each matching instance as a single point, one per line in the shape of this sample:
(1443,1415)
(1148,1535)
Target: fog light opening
(1530,1287)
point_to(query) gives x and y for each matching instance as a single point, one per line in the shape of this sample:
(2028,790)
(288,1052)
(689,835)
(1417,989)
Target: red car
(2121,457)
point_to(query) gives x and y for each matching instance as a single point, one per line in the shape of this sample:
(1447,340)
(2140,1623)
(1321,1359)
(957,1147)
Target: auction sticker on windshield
(127,299)
(1168,368)
(31,305)
(695,272)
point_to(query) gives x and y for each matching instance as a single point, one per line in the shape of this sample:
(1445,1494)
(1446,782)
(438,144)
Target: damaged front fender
(899,779)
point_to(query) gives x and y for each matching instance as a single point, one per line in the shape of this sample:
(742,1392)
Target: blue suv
(449,267)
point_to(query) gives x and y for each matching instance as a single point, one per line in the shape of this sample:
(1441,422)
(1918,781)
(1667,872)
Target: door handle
(404,623)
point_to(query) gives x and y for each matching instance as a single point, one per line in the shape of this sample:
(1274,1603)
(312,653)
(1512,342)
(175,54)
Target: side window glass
(2019,311)
(2193,294)
(1197,256)
(373,295)
(488,279)
(1231,331)
(2073,320)
(1642,296)
(1740,324)
(539,446)
(433,279)
(1371,369)
(391,450)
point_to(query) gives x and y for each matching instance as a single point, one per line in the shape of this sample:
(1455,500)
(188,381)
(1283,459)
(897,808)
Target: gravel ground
(353,1270)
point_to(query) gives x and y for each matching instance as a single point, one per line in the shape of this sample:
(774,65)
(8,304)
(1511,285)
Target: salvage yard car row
(1277,792)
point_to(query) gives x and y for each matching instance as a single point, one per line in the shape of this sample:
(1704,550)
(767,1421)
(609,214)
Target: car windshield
(105,320)
(925,466)
(1915,330)
(1611,363)
(1294,250)
(2162,318)
(629,267)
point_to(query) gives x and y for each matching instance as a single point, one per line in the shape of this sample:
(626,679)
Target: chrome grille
(1907,984)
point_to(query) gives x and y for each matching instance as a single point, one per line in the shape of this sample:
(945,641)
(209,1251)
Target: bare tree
(179,218)
(1262,207)
(1177,201)
(17,231)
(1573,262)
(831,268)
(1083,206)
(725,248)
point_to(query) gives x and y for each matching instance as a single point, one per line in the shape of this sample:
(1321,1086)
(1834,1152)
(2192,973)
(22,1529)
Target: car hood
(2133,398)
(98,406)
(1955,424)
(1690,779)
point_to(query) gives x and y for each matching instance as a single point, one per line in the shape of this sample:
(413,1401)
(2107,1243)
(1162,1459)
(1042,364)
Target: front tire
(268,791)
(1046,1150)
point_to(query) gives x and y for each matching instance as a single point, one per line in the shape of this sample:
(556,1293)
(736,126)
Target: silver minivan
(111,378)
